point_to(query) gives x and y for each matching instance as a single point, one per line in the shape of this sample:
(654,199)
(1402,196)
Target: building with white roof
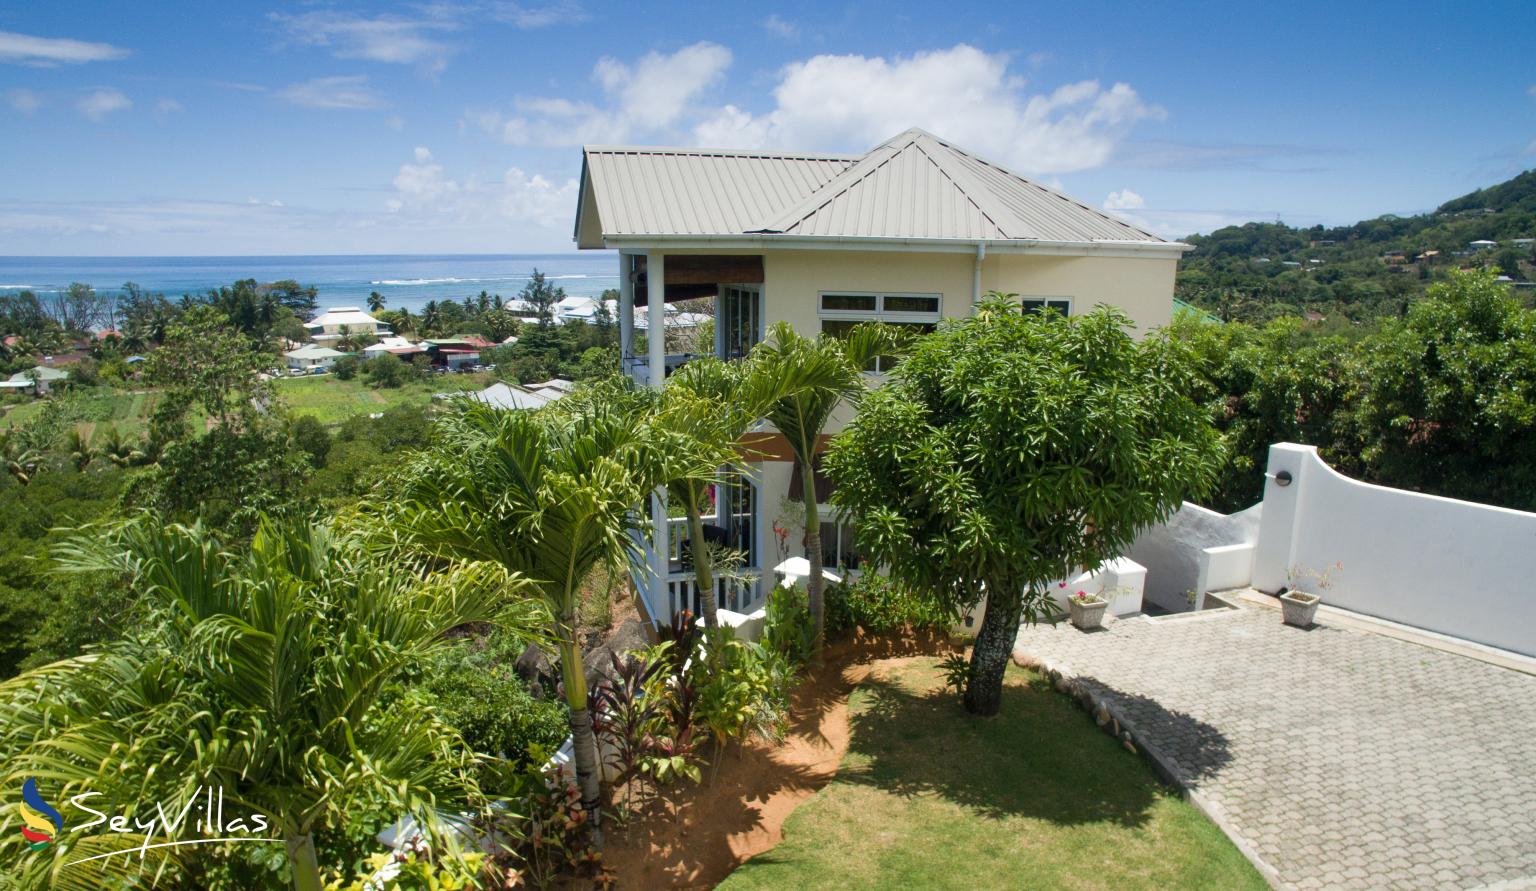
(342,320)
(307,358)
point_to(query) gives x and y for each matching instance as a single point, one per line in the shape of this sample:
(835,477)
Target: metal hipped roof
(919,186)
(646,191)
(915,186)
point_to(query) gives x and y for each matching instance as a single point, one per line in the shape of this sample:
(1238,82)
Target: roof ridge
(974,191)
(872,160)
(1044,188)
(721,152)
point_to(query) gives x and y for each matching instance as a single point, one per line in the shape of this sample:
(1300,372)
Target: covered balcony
(659,282)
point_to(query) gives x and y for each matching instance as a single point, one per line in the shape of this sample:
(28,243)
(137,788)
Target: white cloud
(46,52)
(165,106)
(778,27)
(387,38)
(425,192)
(852,102)
(1124,199)
(348,92)
(97,104)
(653,95)
(22,100)
(530,17)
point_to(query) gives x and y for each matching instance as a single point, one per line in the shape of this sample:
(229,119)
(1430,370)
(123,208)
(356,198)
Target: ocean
(404,280)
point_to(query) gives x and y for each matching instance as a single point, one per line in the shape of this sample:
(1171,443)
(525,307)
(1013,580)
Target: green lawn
(928,797)
(98,407)
(328,398)
(332,400)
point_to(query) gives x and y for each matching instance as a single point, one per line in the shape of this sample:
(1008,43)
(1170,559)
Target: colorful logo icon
(42,821)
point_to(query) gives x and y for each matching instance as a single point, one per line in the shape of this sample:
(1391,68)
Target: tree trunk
(303,862)
(584,744)
(583,741)
(814,584)
(703,566)
(994,646)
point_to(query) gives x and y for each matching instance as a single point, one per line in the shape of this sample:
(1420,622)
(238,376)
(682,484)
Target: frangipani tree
(813,376)
(1011,450)
(548,495)
(259,672)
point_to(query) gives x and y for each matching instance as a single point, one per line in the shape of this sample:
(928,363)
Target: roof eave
(1172,249)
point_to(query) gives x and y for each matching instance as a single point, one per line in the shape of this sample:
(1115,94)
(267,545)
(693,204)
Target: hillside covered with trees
(1350,276)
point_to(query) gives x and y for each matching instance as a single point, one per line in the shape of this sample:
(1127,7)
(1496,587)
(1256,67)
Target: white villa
(913,231)
(307,358)
(340,320)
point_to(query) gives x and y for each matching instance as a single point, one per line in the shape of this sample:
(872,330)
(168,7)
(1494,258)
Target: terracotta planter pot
(1299,608)
(1087,616)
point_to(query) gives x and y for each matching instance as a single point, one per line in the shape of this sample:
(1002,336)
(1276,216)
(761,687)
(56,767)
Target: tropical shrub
(881,605)
(489,706)
(743,689)
(787,629)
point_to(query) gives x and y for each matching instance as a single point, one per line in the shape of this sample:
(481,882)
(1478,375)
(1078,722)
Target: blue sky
(191,128)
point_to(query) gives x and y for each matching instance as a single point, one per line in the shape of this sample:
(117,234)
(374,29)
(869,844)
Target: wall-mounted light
(1282,479)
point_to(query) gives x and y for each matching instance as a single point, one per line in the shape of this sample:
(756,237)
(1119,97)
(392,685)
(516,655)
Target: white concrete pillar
(1275,550)
(656,315)
(626,310)
(656,340)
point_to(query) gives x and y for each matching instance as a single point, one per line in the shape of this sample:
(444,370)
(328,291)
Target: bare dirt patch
(719,825)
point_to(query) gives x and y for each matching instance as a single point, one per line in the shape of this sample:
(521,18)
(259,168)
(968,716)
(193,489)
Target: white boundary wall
(1196,549)
(1458,568)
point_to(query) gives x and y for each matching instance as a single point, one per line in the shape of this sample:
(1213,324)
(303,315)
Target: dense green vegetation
(1346,274)
(1442,400)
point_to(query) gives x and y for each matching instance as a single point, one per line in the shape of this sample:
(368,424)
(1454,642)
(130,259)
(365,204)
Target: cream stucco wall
(1141,287)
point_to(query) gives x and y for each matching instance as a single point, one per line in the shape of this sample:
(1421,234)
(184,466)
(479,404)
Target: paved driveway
(1340,758)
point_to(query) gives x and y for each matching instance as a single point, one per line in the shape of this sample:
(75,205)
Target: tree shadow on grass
(1041,757)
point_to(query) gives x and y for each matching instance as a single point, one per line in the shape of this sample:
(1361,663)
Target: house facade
(311,357)
(339,321)
(912,232)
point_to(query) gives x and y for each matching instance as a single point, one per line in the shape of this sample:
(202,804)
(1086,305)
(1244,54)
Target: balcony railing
(639,367)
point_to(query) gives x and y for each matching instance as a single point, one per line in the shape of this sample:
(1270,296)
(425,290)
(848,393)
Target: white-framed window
(840,311)
(1062,305)
(839,550)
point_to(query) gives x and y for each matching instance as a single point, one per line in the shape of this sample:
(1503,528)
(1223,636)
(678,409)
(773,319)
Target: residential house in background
(339,321)
(914,231)
(310,358)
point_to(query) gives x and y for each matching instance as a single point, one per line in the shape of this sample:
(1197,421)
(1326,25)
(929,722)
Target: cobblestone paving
(1344,759)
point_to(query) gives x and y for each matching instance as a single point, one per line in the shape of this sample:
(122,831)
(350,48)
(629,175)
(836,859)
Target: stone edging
(1109,717)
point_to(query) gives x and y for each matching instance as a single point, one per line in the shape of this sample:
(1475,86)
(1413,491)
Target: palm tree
(21,460)
(346,342)
(549,495)
(81,453)
(120,451)
(431,318)
(712,404)
(376,302)
(260,671)
(404,322)
(815,375)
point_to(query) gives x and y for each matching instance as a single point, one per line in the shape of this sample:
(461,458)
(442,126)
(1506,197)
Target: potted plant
(1087,610)
(1299,607)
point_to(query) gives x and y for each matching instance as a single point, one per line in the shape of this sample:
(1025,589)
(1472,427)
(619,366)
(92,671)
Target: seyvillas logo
(198,820)
(42,821)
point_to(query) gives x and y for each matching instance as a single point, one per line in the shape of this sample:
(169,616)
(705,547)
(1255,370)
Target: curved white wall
(1444,565)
